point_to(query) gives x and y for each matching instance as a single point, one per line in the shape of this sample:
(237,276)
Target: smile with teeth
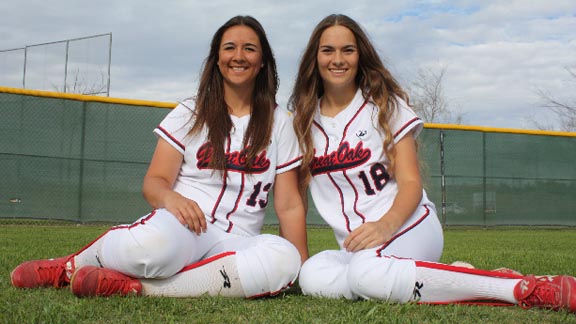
(238,68)
(338,70)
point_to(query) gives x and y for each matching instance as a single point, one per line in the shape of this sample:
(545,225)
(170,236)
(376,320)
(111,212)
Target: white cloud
(497,52)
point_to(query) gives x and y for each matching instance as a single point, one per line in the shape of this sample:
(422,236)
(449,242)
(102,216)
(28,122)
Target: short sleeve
(405,120)
(176,125)
(289,155)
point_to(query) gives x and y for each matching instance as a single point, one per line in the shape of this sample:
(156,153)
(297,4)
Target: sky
(497,55)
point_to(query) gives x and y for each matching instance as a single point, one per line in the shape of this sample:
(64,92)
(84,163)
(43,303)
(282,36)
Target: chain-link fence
(480,176)
(74,159)
(82,159)
(78,65)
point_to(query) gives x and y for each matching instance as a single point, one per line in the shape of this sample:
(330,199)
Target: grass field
(529,250)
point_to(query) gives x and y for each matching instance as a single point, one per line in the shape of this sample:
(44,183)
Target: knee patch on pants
(268,267)
(382,278)
(325,275)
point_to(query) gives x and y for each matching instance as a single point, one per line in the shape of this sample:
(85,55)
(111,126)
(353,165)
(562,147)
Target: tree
(428,98)
(564,110)
(79,85)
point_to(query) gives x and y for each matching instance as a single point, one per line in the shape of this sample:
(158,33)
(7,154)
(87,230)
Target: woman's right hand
(186,211)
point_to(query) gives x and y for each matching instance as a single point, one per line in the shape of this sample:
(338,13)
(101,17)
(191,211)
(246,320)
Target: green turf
(541,251)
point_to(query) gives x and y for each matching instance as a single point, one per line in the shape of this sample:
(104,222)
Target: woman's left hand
(369,235)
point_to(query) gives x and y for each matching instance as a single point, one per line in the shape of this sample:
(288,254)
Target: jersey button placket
(334,134)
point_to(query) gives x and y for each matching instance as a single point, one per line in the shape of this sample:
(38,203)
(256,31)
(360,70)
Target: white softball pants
(158,246)
(385,273)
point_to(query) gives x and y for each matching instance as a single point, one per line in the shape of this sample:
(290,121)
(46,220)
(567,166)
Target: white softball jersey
(236,202)
(350,183)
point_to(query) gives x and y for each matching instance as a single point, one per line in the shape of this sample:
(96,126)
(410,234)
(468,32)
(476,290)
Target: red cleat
(43,273)
(94,281)
(552,292)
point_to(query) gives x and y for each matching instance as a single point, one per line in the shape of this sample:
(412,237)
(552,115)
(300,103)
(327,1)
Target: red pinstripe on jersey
(224,185)
(222,191)
(351,120)
(346,218)
(174,140)
(325,136)
(240,192)
(410,122)
(289,163)
(356,197)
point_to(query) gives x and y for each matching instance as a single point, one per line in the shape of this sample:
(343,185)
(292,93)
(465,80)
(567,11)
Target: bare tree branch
(428,98)
(563,110)
(79,84)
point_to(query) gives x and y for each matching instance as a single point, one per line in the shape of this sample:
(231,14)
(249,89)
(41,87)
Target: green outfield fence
(82,159)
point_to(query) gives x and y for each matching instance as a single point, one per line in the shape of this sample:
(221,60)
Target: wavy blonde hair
(373,78)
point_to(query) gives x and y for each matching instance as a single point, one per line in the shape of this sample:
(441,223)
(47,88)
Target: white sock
(215,276)
(438,283)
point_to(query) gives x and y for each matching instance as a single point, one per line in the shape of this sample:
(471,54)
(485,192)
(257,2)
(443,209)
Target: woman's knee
(268,266)
(324,275)
(312,278)
(280,255)
(381,278)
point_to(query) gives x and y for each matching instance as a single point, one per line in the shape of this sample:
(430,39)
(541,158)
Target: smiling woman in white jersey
(357,133)
(218,158)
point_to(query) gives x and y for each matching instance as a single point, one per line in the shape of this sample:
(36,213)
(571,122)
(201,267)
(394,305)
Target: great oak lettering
(235,161)
(345,158)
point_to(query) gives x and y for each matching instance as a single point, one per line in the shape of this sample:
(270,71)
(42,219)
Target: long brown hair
(212,110)
(373,78)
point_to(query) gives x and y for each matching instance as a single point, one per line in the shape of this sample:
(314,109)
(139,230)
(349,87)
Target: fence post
(484,178)
(81,173)
(442,178)
(66,67)
(109,63)
(24,69)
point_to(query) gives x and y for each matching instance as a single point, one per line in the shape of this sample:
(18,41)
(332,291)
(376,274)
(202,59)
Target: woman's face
(338,58)
(239,57)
